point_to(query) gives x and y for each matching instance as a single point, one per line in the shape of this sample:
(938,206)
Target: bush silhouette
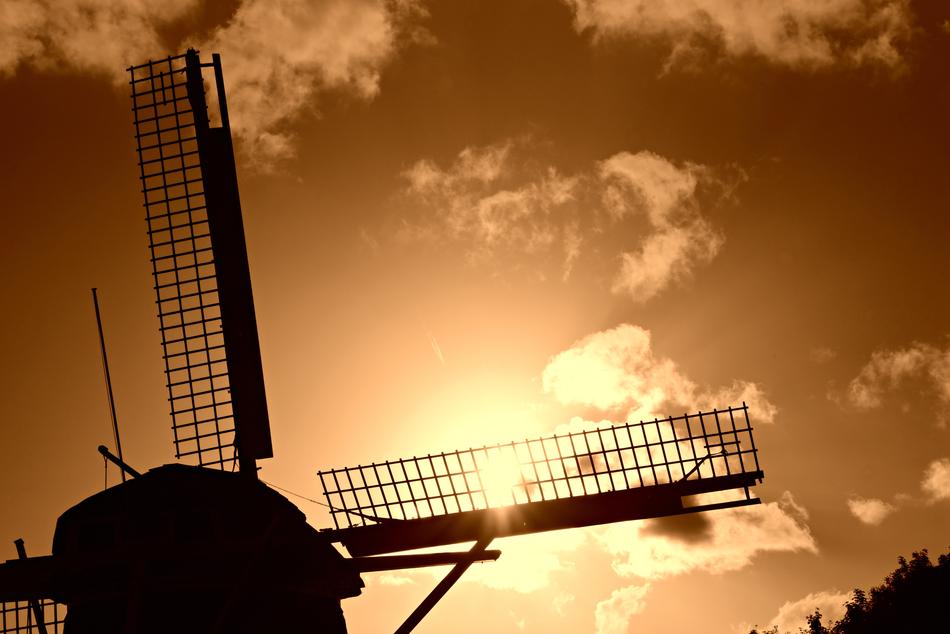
(913,598)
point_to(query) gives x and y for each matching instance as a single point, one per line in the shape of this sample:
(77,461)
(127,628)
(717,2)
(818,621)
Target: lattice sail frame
(16,617)
(697,446)
(183,264)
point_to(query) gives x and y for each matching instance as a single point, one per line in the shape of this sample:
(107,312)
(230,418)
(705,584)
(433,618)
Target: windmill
(202,545)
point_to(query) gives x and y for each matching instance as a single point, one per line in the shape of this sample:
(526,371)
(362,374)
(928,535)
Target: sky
(474,222)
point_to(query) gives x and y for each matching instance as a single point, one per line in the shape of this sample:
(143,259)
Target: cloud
(791,616)
(731,541)
(529,563)
(801,35)
(870,510)
(936,482)
(613,615)
(822,355)
(277,54)
(280,53)
(100,37)
(923,364)
(561,601)
(476,200)
(392,579)
(641,210)
(680,238)
(617,370)
(739,392)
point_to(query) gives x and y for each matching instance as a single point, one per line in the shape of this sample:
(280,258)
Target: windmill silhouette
(202,545)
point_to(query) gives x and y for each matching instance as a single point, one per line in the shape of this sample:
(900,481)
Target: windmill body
(204,546)
(192,549)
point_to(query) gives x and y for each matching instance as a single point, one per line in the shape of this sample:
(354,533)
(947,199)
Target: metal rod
(219,88)
(439,591)
(105,367)
(118,462)
(34,604)
(402,562)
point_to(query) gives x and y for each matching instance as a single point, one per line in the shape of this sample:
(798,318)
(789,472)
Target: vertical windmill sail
(42,616)
(199,263)
(609,474)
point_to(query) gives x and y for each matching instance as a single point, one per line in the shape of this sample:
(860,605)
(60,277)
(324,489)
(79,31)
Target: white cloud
(870,510)
(475,200)
(790,33)
(728,540)
(936,482)
(278,54)
(680,238)
(528,563)
(392,579)
(100,37)
(791,616)
(822,355)
(496,201)
(617,370)
(561,601)
(612,616)
(736,393)
(887,370)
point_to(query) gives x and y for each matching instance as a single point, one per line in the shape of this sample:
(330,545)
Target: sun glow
(502,477)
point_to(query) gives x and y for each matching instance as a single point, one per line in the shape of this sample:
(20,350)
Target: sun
(502,478)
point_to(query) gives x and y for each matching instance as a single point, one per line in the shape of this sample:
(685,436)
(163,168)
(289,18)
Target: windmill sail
(583,478)
(199,263)
(20,617)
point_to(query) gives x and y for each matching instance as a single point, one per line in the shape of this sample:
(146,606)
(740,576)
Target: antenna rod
(105,367)
(118,462)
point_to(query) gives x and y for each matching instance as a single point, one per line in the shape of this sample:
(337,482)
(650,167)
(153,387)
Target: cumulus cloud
(730,541)
(738,392)
(922,364)
(936,482)
(477,200)
(277,54)
(392,579)
(822,354)
(617,370)
(612,615)
(792,614)
(529,563)
(808,35)
(561,601)
(680,237)
(496,201)
(870,510)
(281,53)
(100,37)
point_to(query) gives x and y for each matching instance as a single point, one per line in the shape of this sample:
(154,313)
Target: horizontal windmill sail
(199,262)
(609,474)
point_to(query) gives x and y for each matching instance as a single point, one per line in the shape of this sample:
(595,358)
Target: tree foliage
(913,598)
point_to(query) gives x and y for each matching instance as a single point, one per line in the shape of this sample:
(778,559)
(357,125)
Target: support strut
(439,591)
(34,603)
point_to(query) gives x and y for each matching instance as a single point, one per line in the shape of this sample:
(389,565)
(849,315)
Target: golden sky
(473,222)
